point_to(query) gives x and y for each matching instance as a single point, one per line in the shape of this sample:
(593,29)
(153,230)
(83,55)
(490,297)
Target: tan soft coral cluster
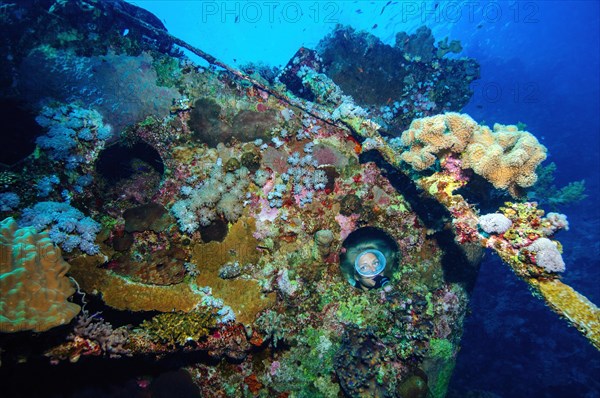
(506,156)
(429,137)
(33,286)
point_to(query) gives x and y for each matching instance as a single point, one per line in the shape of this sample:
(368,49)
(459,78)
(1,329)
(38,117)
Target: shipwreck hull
(234,226)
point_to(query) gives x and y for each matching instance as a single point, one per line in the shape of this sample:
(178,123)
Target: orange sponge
(507,157)
(432,136)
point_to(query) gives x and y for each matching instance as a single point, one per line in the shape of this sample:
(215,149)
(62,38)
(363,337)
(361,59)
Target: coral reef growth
(506,156)
(205,123)
(69,228)
(122,98)
(74,134)
(429,138)
(229,207)
(229,342)
(546,255)
(220,195)
(494,223)
(121,293)
(93,336)
(547,194)
(398,83)
(148,217)
(243,295)
(178,329)
(442,184)
(33,286)
(357,363)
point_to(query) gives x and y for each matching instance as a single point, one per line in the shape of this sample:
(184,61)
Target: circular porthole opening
(129,173)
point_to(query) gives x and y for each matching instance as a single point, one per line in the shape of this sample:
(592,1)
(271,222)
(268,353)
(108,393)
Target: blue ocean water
(539,66)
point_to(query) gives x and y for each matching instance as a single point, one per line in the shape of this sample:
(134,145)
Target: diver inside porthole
(368,259)
(369,267)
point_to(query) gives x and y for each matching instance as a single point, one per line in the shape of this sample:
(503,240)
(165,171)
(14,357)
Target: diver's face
(368,263)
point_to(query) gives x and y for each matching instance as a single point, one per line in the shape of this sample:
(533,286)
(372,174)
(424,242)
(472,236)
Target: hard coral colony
(230,217)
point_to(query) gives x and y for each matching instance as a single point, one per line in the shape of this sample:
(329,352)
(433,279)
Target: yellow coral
(506,157)
(178,328)
(120,293)
(33,286)
(430,136)
(582,313)
(244,296)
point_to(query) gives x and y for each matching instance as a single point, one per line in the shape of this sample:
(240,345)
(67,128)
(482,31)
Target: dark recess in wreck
(115,162)
(19,132)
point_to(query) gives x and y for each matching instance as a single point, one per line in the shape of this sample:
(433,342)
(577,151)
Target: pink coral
(267,213)
(275,365)
(275,159)
(370,174)
(454,166)
(324,155)
(347,224)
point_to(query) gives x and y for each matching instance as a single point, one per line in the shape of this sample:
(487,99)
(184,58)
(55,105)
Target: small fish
(479,106)
(436,6)
(125,32)
(359,11)
(383,9)
(237,18)
(374,26)
(480,26)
